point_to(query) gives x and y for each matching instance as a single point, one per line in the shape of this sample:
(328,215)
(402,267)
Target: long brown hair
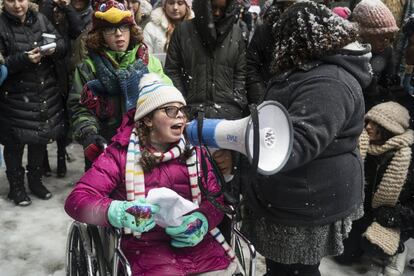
(188,15)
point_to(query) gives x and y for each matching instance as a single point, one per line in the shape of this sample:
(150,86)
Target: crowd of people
(123,77)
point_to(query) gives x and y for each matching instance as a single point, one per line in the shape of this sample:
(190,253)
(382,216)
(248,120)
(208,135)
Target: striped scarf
(135,181)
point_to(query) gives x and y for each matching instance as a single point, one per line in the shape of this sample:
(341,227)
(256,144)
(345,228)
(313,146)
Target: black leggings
(278,269)
(13,155)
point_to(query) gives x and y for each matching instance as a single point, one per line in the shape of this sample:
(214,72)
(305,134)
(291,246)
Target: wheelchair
(96,251)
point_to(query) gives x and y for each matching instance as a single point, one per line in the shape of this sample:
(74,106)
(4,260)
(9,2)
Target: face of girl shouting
(117,38)
(167,124)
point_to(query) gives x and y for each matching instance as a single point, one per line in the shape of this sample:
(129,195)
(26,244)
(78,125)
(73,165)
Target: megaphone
(275,135)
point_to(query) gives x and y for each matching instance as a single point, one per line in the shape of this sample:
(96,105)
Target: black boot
(34,177)
(46,170)
(17,191)
(61,162)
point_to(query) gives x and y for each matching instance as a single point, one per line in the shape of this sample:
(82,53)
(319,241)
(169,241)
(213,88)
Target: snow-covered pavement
(33,239)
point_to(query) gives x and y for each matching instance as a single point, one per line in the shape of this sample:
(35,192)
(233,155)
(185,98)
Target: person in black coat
(68,23)
(301,214)
(31,107)
(388,220)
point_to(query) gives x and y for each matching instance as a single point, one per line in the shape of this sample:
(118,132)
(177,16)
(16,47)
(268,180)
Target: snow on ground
(33,239)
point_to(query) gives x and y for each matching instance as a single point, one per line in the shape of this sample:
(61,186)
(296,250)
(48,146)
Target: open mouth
(177,126)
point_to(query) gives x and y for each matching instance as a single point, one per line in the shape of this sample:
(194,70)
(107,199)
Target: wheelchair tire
(76,255)
(100,265)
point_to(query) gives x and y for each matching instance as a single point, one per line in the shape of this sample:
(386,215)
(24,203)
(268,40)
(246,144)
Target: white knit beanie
(154,93)
(391,116)
(188,2)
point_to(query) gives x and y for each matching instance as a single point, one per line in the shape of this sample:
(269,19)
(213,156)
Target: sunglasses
(112,30)
(172,111)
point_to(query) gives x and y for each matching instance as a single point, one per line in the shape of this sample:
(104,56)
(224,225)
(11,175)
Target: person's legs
(61,157)
(35,155)
(278,269)
(13,154)
(352,245)
(47,171)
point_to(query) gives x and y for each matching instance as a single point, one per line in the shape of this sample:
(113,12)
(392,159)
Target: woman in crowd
(377,27)
(105,84)
(150,151)
(388,219)
(157,33)
(31,107)
(302,213)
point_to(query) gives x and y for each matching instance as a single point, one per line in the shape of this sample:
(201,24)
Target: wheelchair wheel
(76,255)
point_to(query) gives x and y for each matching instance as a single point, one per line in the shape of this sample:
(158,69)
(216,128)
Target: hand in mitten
(190,232)
(3,73)
(135,215)
(388,216)
(93,145)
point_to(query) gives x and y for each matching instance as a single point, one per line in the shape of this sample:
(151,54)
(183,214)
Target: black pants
(13,155)
(277,269)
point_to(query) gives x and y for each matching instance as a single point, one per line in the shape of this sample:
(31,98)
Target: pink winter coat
(152,254)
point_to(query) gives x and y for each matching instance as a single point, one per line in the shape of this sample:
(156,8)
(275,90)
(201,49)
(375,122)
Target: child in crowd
(386,146)
(150,151)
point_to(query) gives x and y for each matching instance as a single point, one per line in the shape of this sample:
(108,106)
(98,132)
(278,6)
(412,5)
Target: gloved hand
(3,73)
(190,232)
(136,215)
(388,216)
(93,146)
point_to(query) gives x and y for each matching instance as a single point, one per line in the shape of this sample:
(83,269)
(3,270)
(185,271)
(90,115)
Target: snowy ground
(33,239)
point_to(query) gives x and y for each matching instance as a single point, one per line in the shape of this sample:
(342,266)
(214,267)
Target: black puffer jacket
(322,180)
(206,62)
(31,108)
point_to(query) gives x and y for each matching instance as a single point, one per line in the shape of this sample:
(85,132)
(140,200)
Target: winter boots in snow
(34,177)
(396,265)
(17,191)
(61,162)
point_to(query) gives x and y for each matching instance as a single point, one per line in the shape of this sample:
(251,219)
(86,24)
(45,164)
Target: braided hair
(307,31)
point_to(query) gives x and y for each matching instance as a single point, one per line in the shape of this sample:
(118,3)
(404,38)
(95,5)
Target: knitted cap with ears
(390,115)
(154,93)
(374,17)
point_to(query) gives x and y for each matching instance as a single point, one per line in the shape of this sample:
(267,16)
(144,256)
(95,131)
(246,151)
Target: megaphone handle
(256,137)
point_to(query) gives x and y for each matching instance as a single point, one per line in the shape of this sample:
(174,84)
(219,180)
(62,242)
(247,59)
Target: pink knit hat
(343,12)
(188,2)
(374,17)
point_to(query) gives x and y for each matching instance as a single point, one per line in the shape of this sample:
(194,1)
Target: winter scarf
(118,74)
(135,181)
(390,187)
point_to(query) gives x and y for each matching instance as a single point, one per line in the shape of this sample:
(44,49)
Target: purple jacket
(152,254)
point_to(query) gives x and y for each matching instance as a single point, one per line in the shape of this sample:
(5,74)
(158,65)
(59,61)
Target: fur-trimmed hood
(159,18)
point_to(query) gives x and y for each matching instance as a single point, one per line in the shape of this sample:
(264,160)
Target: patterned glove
(190,232)
(135,215)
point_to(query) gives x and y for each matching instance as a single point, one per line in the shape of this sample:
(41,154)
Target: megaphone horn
(275,136)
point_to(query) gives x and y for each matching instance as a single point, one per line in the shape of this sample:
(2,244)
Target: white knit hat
(391,116)
(154,93)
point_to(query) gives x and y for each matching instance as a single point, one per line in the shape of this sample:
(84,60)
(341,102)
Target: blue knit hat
(154,93)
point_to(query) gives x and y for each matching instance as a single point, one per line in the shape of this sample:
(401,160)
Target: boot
(34,177)
(396,265)
(46,170)
(17,191)
(61,162)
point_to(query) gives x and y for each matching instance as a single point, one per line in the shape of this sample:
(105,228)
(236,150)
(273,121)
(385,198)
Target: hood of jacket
(211,32)
(354,58)
(159,18)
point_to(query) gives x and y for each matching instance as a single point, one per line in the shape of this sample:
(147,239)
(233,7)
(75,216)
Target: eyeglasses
(112,30)
(172,111)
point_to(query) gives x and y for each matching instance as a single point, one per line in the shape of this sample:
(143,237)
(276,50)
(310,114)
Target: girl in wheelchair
(149,151)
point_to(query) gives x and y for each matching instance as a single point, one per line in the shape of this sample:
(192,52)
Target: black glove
(94,139)
(388,216)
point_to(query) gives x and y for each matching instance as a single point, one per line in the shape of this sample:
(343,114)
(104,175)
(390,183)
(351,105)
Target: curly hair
(148,160)
(95,40)
(307,31)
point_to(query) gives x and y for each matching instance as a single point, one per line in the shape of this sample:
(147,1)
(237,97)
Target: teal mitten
(190,232)
(136,215)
